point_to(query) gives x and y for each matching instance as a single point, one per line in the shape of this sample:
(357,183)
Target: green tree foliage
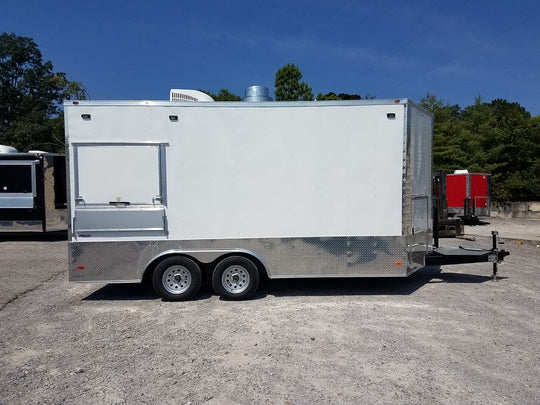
(289,87)
(223,95)
(30,95)
(343,96)
(499,137)
(327,97)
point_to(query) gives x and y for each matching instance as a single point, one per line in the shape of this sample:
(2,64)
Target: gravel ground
(515,230)
(440,336)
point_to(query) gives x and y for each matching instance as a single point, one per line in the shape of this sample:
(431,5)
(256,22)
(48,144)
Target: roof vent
(8,149)
(257,94)
(188,95)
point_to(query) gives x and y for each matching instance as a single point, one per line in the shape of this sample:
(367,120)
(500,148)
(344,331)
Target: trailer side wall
(309,189)
(248,172)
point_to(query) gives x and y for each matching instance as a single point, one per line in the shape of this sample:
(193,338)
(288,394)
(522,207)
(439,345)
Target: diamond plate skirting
(126,261)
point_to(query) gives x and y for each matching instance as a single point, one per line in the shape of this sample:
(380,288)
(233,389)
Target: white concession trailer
(182,191)
(32,191)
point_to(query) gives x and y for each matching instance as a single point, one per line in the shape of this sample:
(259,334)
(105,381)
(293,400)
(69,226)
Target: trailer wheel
(177,278)
(235,278)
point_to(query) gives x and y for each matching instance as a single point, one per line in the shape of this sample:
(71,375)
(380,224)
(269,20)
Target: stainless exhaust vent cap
(257,94)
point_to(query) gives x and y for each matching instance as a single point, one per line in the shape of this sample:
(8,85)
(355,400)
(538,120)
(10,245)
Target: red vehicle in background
(468,195)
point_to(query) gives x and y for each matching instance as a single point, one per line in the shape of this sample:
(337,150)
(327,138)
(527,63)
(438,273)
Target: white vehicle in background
(32,191)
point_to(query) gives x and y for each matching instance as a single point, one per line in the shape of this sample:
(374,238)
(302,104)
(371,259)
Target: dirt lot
(450,336)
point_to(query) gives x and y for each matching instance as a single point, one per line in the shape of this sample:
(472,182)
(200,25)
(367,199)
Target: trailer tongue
(460,255)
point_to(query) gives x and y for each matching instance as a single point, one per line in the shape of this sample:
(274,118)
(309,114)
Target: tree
(30,96)
(343,96)
(510,143)
(289,87)
(223,95)
(449,147)
(499,138)
(328,96)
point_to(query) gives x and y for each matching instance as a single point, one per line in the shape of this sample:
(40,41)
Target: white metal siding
(265,172)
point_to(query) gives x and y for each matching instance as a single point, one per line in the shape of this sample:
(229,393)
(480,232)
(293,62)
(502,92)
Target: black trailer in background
(444,226)
(33,194)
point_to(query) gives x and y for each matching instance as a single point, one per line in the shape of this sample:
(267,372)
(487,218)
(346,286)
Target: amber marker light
(398,263)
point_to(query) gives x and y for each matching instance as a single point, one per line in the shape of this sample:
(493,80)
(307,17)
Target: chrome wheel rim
(235,279)
(176,279)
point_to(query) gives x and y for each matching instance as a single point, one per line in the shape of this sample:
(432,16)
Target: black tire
(177,278)
(235,278)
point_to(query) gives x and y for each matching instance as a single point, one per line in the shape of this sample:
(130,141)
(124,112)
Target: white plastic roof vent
(8,149)
(188,95)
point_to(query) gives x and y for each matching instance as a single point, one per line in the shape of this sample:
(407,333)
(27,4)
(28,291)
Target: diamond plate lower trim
(125,261)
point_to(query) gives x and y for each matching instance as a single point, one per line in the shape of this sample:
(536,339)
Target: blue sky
(136,49)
